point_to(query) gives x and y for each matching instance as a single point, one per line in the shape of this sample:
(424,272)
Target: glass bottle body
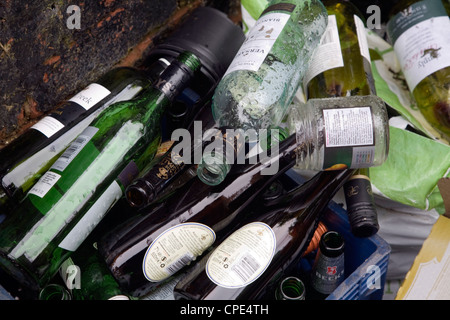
(418,32)
(258,87)
(340,133)
(60,209)
(262,246)
(341,65)
(126,249)
(32,153)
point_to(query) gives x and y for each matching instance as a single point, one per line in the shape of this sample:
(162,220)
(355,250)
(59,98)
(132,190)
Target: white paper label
(328,54)
(362,38)
(92,217)
(176,248)
(48,126)
(260,40)
(242,257)
(45,183)
(75,147)
(348,127)
(424,49)
(91,95)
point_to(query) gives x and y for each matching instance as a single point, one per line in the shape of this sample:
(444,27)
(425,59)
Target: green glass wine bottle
(87,277)
(29,156)
(419,33)
(258,87)
(207,32)
(33,241)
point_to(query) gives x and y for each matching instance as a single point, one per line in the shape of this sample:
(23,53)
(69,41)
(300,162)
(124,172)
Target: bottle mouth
(213,169)
(54,292)
(139,195)
(292,288)
(332,243)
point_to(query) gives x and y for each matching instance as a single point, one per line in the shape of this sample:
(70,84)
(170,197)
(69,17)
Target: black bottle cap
(364,222)
(210,35)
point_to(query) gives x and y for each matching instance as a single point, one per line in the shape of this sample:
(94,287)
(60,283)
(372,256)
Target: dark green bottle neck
(172,81)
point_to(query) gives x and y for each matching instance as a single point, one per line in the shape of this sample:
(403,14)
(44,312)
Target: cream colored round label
(176,248)
(243,256)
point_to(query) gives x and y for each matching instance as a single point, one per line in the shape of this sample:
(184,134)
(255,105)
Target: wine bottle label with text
(91,218)
(48,126)
(45,183)
(176,248)
(242,257)
(86,98)
(349,137)
(328,54)
(28,168)
(421,40)
(75,147)
(362,38)
(260,40)
(90,95)
(328,273)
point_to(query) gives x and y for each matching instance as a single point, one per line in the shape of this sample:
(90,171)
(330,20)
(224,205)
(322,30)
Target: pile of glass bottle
(104,192)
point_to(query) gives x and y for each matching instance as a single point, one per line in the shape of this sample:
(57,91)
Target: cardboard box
(429,276)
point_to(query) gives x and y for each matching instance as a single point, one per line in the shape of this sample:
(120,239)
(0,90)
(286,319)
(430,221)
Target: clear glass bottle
(59,211)
(340,67)
(258,87)
(419,33)
(340,133)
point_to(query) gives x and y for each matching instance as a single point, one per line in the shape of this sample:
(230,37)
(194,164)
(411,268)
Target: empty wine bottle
(87,276)
(341,67)
(36,238)
(206,32)
(31,154)
(250,262)
(258,87)
(191,219)
(173,170)
(340,133)
(419,33)
(290,288)
(341,64)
